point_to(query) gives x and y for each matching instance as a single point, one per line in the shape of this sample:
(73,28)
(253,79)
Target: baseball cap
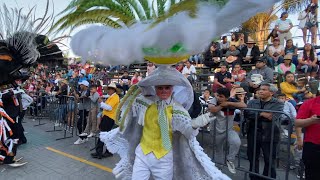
(84,82)
(261,59)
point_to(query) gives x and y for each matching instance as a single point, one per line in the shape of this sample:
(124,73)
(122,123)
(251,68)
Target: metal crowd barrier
(61,111)
(38,110)
(240,161)
(62,114)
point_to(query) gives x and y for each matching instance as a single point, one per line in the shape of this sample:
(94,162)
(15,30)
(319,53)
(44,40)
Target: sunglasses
(163,88)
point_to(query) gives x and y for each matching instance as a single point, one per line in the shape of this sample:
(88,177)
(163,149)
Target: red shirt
(99,90)
(308,109)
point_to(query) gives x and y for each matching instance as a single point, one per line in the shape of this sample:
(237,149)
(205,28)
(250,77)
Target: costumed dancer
(9,129)
(156,135)
(19,42)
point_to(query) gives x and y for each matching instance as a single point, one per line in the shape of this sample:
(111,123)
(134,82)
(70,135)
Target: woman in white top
(302,25)
(308,22)
(189,70)
(275,53)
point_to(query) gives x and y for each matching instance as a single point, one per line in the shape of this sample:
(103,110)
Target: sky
(60,5)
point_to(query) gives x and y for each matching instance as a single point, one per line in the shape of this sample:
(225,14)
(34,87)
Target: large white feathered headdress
(164,43)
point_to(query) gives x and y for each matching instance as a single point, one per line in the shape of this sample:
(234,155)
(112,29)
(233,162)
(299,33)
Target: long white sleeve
(105,106)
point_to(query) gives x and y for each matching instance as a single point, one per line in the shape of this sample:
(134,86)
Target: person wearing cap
(82,75)
(125,82)
(84,106)
(287,65)
(260,75)
(275,53)
(108,117)
(156,136)
(283,26)
(250,52)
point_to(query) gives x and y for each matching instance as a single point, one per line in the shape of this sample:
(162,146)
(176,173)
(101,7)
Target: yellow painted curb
(80,159)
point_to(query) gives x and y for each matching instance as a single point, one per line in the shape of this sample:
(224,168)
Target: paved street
(44,164)
(51,159)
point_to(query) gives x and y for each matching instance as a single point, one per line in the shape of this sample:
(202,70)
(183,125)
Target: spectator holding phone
(309,118)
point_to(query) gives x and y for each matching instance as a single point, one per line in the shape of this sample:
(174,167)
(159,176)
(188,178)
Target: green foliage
(294,6)
(189,6)
(126,12)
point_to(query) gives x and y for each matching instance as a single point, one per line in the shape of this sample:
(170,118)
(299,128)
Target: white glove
(202,120)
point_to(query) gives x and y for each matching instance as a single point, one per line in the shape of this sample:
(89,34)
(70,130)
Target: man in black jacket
(263,132)
(250,52)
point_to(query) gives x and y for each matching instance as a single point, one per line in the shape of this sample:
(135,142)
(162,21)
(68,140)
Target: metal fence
(250,130)
(60,111)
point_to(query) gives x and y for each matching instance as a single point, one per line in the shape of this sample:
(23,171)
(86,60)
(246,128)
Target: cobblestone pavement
(51,159)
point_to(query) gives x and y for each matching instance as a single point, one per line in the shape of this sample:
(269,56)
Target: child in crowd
(288,108)
(223,107)
(205,99)
(296,149)
(92,123)
(300,96)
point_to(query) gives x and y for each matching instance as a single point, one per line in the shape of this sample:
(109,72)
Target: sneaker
(17,164)
(83,134)
(80,141)
(303,176)
(231,167)
(91,135)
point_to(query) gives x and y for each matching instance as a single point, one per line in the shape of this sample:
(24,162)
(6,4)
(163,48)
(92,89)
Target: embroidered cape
(190,162)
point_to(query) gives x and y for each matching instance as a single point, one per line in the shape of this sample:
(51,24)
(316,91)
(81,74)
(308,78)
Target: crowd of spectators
(233,88)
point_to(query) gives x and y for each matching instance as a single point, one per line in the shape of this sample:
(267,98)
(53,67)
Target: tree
(294,6)
(122,13)
(258,27)
(116,14)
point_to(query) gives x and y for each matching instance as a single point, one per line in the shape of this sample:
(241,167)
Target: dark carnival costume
(18,51)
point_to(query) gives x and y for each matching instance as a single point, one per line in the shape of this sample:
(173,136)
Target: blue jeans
(293,102)
(197,58)
(295,60)
(271,63)
(298,96)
